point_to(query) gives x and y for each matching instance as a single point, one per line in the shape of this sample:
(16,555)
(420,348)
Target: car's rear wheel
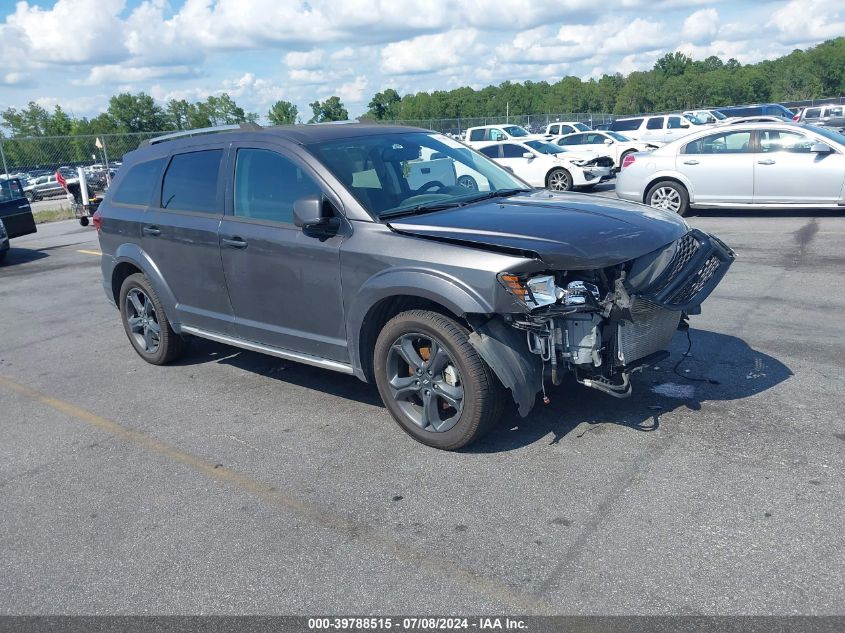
(669,196)
(146,324)
(468,182)
(30,196)
(559,180)
(433,382)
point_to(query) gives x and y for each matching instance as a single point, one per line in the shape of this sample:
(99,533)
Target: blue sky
(80,52)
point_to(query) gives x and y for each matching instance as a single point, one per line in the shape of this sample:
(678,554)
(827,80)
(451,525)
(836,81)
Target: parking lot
(232,482)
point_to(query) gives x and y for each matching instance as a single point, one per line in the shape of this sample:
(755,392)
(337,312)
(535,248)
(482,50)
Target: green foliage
(136,113)
(283,113)
(331,109)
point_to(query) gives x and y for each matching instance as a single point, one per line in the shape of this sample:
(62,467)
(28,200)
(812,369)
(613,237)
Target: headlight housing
(535,291)
(3,233)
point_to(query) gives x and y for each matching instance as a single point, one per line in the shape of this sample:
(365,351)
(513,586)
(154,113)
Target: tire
(559,180)
(83,221)
(30,197)
(668,195)
(405,388)
(147,314)
(468,182)
(3,256)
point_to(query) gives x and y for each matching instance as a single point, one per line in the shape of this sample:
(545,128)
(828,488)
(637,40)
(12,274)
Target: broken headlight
(532,291)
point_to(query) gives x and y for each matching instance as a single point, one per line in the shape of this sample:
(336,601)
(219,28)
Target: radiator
(650,332)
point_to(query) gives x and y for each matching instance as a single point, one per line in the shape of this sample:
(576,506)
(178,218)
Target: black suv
(357,248)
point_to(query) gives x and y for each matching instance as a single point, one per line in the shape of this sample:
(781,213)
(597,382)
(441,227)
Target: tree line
(675,82)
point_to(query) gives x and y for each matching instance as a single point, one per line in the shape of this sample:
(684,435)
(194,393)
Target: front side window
(627,125)
(812,113)
(724,143)
(780,141)
(575,139)
(190,183)
(655,123)
(138,184)
(554,129)
(516,131)
(509,150)
(476,135)
(495,134)
(267,184)
(673,122)
(10,190)
(409,172)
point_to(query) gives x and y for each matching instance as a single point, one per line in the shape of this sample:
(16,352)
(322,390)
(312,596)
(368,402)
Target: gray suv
(355,248)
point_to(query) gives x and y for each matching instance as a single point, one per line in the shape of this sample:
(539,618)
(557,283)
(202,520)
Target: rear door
(284,284)
(720,167)
(179,233)
(787,172)
(532,170)
(14,209)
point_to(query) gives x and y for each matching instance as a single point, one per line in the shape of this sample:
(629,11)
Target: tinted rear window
(624,126)
(190,183)
(138,184)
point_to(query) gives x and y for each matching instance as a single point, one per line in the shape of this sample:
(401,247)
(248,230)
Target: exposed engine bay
(601,325)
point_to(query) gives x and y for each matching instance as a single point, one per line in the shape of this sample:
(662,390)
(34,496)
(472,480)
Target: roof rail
(202,130)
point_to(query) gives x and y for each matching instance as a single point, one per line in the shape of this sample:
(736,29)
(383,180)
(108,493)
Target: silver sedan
(754,166)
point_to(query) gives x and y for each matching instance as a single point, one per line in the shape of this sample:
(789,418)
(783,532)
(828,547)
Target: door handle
(154,231)
(768,161)
(234,242)
(690,162)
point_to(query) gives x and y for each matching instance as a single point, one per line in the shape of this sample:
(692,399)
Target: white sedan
(613,144)
(748,166)
(544,164)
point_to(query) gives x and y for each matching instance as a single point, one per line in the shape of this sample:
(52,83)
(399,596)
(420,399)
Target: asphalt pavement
(234,483)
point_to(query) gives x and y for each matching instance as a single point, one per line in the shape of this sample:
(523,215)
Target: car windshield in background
(833,135)
(582,127)
(696,120)
(545,148)
(515,130)
(618,137)
(390,174)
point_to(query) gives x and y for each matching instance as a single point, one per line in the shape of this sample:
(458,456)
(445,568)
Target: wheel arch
(387,294)
(673,177)
(130,259)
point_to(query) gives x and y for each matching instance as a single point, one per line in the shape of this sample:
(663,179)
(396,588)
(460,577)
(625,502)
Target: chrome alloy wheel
(666,198)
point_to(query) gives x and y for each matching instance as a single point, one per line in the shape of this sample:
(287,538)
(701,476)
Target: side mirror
(608,141)
(311,215)
(821,148)
(528,155)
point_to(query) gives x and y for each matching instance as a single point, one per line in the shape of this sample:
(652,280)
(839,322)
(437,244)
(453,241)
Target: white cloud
(426,53)
(701,26)
(308,59)
(802,21)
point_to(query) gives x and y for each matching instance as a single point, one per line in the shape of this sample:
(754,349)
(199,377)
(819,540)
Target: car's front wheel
(433,382)
(146,324)
(468,182)
(559,180)
(668,195)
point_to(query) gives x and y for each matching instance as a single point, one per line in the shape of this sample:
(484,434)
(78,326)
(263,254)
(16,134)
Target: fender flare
(138,257)
(433,285)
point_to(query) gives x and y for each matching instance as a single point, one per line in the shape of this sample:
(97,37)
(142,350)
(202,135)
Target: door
(14,209)
(532,170)
(720,167)
(653,129)
(179,233)
(284,284)
(675,128)
(787,172)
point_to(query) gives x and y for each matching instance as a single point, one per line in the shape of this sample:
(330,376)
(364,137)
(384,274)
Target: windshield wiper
(499,193)
(421,208)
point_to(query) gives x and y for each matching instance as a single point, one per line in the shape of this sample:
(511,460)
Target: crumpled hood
(568,231)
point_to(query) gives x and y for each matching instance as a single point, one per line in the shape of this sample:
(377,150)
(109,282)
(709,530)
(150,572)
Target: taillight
(797,117)
(97,220)
(628,161)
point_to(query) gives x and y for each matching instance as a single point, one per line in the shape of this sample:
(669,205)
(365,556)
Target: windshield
(582,127)
(545,148)
(618,137)
(695,119)
(515,130)
(412,172)
(828,133)
(717,114)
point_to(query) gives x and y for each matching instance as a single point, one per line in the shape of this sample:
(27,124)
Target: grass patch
(52,215)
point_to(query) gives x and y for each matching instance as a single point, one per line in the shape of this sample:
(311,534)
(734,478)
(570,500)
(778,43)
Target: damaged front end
(600,325)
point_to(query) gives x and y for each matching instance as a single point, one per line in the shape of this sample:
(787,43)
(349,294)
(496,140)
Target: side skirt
(252,346)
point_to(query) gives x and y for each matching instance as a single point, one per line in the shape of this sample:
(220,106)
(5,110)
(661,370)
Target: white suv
(561,128)
(663,127)
(496,134)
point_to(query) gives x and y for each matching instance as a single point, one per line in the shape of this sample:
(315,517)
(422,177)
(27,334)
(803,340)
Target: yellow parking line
(97,253)
(353,530)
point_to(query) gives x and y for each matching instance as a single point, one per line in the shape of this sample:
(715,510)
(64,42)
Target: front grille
(687,248)
(651,331)
(696,282)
